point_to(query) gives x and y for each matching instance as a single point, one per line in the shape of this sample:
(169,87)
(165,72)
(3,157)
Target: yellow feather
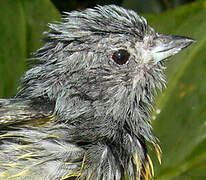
(151,164)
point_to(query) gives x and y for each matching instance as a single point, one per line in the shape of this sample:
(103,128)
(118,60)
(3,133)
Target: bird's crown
(99,20)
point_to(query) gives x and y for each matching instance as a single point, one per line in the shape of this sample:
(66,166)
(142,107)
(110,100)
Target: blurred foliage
(180,117)
(21,26)
(141,6)
(181,125)
(68,5)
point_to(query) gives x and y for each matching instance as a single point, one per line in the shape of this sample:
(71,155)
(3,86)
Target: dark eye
(121,56)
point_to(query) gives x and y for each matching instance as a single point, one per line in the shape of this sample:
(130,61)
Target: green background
(179,119)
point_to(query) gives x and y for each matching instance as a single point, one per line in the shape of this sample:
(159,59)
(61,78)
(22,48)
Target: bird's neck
(120,110)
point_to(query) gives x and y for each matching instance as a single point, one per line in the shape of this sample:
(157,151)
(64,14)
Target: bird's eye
(121,56)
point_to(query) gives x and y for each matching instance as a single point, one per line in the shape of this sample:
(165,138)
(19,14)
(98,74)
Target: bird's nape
(83,109)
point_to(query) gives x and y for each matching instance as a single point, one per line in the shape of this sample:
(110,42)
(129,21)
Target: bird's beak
(165,46)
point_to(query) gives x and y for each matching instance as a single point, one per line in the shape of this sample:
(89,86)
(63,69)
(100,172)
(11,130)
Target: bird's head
(101,62)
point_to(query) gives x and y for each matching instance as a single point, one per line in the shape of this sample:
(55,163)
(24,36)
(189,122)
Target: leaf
(141,6)
(181,123)
(22,23)
(13,43)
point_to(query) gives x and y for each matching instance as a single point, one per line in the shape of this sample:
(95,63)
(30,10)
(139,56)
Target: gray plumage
(83,107)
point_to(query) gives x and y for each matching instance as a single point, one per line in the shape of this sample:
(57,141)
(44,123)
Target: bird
(82,110)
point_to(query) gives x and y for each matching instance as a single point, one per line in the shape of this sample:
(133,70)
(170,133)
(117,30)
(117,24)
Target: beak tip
(190,40)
